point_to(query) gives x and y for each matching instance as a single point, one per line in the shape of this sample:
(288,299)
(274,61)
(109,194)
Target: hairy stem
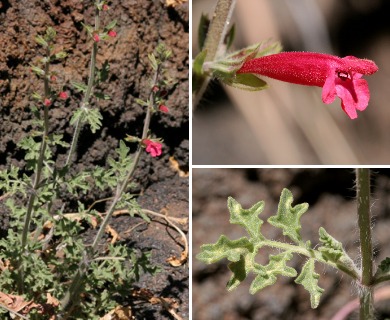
(364,223)
(88,92)
(38,172)
(215,36)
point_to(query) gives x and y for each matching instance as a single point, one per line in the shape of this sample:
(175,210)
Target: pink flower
(112,33)
(155,89)
(53,78)
(96,37)
(163,108)
(336,76)
(47,102)
(63,95)
(105,7)
(153,147)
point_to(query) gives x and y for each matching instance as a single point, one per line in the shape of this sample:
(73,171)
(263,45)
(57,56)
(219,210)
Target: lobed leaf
(332,249)
(288,218)
(308,278)
(248,218)
(225,248)
(276,266)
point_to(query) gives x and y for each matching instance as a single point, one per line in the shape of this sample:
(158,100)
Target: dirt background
(141,25)
(331,196)
(289,124)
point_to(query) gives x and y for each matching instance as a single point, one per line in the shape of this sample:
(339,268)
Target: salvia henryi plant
(46,265)
(242,69)
(242,253)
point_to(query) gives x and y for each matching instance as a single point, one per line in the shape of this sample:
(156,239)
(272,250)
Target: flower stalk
(88,92)
(38,171)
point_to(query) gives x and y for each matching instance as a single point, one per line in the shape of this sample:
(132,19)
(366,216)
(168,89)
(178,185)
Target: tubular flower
(112,33)
(163,108)
(336,76)
(153,147)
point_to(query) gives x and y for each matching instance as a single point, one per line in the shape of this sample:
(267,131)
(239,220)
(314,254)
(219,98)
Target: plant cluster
(47,269)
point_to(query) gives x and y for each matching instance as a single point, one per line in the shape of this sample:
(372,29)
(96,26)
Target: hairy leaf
(225,248)
(276,266)
(288,217)
(248,218)
(308,278)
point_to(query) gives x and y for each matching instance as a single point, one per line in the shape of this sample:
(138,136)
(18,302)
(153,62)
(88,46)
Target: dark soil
(141,25)
(331,196)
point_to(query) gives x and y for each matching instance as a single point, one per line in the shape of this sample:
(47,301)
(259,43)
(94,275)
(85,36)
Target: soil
(140,26)
(331,197)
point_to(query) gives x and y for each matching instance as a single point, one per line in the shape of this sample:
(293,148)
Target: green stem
(214,39)
(38,173)
(364,223)
(88,92)
(347,268)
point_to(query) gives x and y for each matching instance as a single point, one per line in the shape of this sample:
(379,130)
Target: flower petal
(329,88)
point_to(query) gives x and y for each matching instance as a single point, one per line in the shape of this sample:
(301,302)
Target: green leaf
(240,270)
(41,41)
(248,218)
(332,249)
(153,61)
(384,266)
(288,217)
(88,28)
(197,71)
(246,81)
(141,102)
(197,66)
(267,47)
(60,55)
(79,86)
(101,95)
(111,25)
(276,266)
(225,248)
(308,278)
(203,28)
(37,71)
(229,38)
(50,34)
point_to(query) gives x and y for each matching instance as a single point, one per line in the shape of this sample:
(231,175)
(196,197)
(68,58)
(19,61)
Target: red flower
(112,33)
(336,76)
(155,89)
(96,37)
(153,147)
(63,95)
(105,7)
(47,102)
(163,108)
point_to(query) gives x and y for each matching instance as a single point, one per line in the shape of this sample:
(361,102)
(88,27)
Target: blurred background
(332,205)
(289,124)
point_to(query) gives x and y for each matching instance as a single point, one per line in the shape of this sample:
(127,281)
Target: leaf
(202,30)
(276,266)
(111,25)
(332,249)
(229,38)
(79,86)
(287,217)
(225,248)
(197,66)
(248,218)
(41,41)
(384,266)
(240,270)
(308,278)
(246,81)
(267,47)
